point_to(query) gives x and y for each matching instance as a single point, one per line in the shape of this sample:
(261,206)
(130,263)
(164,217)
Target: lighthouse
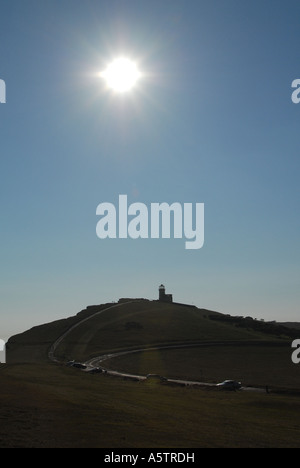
(163,297)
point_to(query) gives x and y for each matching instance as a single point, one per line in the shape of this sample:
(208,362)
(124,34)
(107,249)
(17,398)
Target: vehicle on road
(230,385)
(70,363)
(78,365)
(156,377)
(95,370)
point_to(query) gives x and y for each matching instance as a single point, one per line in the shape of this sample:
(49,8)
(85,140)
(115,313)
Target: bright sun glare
(121,75)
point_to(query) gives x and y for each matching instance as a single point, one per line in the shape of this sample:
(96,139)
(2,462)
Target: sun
(121,75)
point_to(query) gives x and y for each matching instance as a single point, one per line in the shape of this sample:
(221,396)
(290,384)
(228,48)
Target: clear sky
(211,121)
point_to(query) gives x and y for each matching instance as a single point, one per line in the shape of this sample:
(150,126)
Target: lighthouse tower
(162,292)
(163,297)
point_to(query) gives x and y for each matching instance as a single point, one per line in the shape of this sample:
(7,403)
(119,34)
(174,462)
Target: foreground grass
(53,406)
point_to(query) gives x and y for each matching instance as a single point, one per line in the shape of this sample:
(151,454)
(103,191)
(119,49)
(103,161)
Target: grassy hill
(294,325)
(132,325)
(33,345)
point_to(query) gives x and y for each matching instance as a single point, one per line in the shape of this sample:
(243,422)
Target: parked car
(78,365)
(95,370)
(230,385)
(70,363)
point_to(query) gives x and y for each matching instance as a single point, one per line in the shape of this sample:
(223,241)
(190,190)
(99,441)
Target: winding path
(51,353)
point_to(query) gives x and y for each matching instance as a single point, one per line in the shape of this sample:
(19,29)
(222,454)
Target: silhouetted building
(163,296)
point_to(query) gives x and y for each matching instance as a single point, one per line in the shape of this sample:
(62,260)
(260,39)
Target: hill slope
(132,325)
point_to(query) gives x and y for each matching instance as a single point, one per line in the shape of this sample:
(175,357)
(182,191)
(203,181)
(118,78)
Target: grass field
(53,406)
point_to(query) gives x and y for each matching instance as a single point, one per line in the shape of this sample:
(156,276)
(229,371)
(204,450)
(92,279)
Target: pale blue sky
(211,122)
